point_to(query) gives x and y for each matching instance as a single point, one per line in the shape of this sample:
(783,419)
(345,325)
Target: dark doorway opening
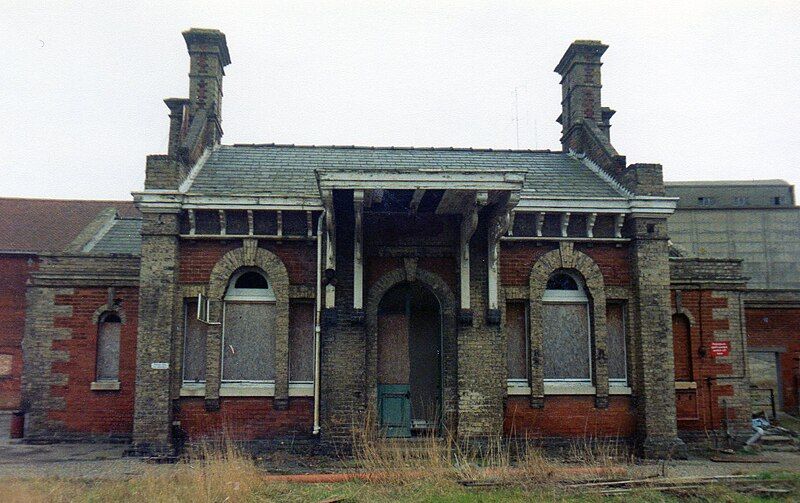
(409,361)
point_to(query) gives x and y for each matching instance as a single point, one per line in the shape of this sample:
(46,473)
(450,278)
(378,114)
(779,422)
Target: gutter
(317,328)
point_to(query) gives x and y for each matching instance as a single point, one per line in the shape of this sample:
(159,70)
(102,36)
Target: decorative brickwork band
(566,257)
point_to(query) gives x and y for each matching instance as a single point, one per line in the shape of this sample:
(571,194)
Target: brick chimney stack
(580,88)
(208,52)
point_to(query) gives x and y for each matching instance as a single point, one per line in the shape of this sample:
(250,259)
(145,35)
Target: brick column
(481,355)
(157,294)
(653,374)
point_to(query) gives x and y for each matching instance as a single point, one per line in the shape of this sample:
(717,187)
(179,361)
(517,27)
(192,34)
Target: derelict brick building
(281,291)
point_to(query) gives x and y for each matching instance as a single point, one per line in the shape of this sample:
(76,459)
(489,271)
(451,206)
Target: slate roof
(288,170)
(49,225)
(124,236)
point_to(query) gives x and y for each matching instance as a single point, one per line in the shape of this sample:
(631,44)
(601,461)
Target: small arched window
(248,328)
(108,334)
(250,284)
(567,343)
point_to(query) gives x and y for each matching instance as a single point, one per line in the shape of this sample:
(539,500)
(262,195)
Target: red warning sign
(720,349)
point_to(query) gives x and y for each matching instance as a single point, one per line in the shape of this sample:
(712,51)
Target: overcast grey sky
(708,89)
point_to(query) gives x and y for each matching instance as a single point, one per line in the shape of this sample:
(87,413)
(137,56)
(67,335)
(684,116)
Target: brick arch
(447,306)
(566,257)
(105,308)
(249,255)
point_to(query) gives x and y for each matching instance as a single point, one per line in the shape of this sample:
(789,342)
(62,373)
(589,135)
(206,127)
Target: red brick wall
(445,267)
(14,273)
(197,258)
(779,328)
(701,408)
(517,259)
(246,418)
(95,412)
(570,417)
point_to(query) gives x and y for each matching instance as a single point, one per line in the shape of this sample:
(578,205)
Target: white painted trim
(265,295)
(596,169)
(414,179)
(685,385)
(645,205)
(187,184)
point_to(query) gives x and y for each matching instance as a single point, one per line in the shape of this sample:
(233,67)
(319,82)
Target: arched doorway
(409,375)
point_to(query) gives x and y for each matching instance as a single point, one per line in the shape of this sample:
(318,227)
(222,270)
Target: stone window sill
(245,389)
(193,389)
(551,388)
(685,385)
(104,386)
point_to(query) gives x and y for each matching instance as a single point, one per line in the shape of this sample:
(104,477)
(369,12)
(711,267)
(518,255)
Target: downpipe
(317,322)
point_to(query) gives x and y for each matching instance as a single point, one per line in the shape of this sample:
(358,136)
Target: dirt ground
(106,461)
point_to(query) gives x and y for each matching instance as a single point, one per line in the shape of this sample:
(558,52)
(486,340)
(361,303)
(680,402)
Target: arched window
(567,342)
(108,332)
(248,328)
(682,347)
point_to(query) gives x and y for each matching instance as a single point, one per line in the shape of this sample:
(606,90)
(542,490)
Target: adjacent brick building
(757,222)
(273,291)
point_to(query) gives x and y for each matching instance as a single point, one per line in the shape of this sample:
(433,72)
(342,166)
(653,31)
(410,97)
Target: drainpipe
(317,320)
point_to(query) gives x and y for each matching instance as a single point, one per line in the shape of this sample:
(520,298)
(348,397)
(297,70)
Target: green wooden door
(394,405)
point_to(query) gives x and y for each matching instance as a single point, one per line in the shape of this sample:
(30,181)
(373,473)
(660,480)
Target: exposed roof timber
(415,200)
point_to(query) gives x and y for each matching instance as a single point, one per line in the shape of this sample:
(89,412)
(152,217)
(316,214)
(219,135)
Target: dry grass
(215,472)
(495,459)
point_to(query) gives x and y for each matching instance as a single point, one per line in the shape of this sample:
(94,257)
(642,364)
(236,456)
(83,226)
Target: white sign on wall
(159,365)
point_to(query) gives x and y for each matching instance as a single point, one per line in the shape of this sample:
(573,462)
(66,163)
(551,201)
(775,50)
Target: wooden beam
(499,224)
(590,220)
(564,223)
(330,245)
(358,248)
(222,223)
(619,221)
(192,223)
(415,200)
(539,223)
(469,222)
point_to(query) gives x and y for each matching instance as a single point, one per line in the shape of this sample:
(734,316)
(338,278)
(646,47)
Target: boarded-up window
(616,346)
(108,332)
(248,341)
(301,342)
(194,345)
(682,347)
(566,345)
(517,341)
